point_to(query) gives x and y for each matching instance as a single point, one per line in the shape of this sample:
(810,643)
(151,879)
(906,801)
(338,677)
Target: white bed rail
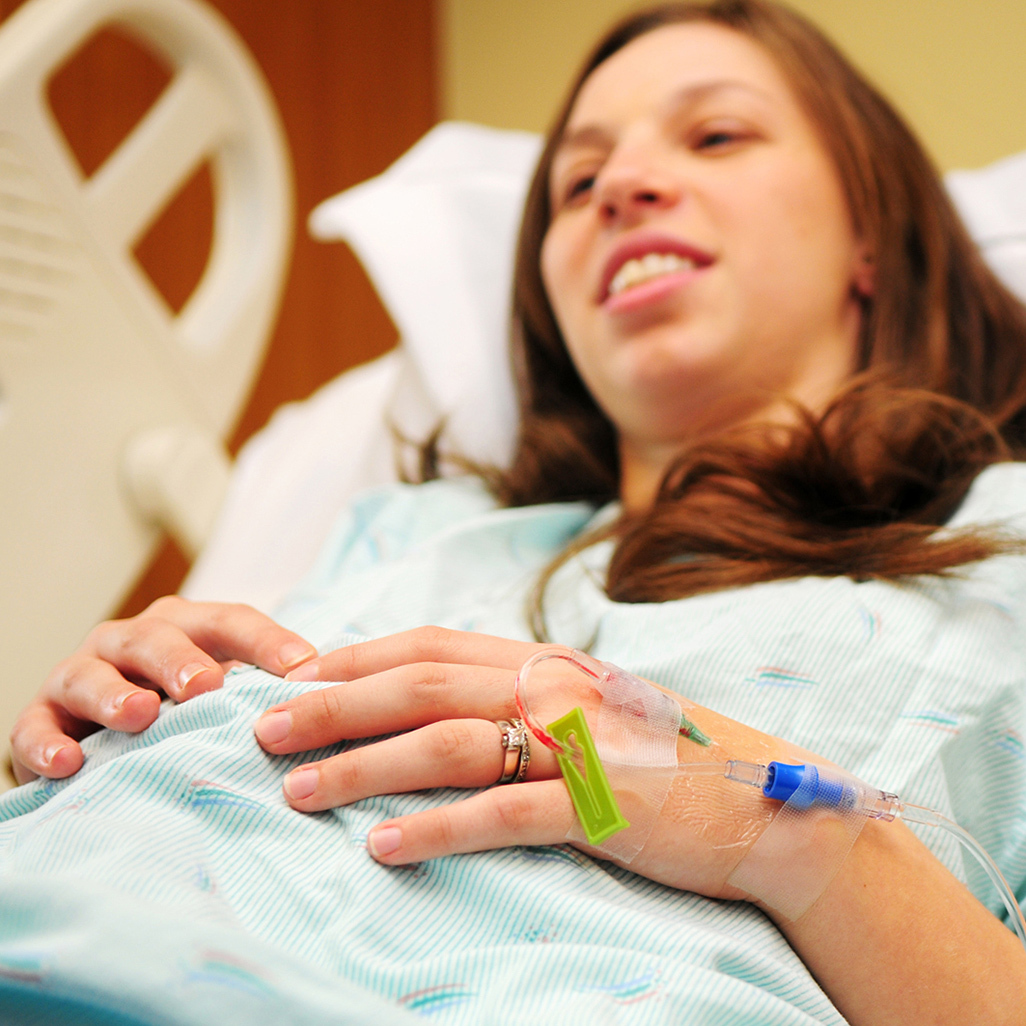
(113,409)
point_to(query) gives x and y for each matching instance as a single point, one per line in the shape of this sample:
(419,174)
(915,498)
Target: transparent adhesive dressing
(616,739)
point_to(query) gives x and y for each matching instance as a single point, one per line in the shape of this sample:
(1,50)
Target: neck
(641,471)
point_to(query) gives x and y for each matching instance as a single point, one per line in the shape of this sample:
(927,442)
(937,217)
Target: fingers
(530,814)
(87,690)
(451,753)
(425,644)
(80,695)
(40,746)
(148,649)
(446,689)
(383,703)
(183,643)
(44,741)
(181,648)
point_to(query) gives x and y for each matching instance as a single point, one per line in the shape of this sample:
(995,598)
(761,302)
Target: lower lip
(650,292)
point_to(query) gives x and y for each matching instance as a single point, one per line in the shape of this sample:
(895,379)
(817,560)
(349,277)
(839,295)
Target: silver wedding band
(517,750)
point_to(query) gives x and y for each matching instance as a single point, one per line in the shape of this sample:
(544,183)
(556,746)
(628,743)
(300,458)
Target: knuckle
(103,633)
(438,641)
(19,739)
(217,614)
(452,740)
(444,830)
(141,637)
(56,679)
(513,810)
(63,679)
(322,709)
(348,773)
(424,687)
(342,663)
(226,612)
(166,606)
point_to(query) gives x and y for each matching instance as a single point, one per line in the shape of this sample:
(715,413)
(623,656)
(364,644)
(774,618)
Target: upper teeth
(651,265)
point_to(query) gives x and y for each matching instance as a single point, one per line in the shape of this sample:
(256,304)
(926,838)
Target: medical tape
(796,857)
(634,736)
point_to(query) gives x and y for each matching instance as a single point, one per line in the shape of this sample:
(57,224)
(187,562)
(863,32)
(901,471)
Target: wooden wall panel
(355,82)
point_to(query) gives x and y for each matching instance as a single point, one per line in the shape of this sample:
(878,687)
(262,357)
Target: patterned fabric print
(170,882)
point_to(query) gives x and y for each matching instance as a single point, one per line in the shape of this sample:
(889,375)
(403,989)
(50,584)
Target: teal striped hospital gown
(168,882)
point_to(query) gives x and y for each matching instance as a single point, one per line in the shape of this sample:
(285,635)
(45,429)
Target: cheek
(814,207)
(559,275)
(549,262)
(798,235)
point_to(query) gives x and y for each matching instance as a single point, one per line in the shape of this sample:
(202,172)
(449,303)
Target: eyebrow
(595,136)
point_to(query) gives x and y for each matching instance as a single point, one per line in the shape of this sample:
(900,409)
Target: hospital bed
(114,409)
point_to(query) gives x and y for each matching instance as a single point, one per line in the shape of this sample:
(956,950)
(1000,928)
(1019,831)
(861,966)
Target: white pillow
(436,233)
(992,202)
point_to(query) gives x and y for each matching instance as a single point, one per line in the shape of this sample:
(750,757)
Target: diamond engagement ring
(517,750)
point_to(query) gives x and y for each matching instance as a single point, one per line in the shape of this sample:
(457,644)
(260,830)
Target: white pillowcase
(436,233)
(992,202)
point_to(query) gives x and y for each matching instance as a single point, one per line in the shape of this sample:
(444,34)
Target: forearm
(897,939)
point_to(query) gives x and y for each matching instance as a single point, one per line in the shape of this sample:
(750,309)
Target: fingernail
(273,727)
(118,702)
(52,752)
(293,652)
(301,783)
(308,671)
(187,674)
(384,841)
(136,704)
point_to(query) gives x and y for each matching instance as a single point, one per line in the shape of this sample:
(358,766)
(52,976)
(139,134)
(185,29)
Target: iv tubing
(872,803)
(888,807)
(918,814)
(520,694)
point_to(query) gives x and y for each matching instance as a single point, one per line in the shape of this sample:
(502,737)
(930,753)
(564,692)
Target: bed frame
(114,408)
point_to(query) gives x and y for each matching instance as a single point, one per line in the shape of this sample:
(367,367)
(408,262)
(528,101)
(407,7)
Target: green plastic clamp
(590,792)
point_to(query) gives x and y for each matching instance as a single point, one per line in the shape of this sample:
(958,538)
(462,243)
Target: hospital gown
(169,882)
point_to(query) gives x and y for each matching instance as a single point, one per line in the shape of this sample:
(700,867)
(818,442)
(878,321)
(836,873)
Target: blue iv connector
(805,785)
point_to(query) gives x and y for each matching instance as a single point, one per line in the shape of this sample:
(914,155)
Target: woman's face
(701,259)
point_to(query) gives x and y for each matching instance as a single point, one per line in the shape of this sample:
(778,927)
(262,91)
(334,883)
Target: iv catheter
(798,787)
(806,785)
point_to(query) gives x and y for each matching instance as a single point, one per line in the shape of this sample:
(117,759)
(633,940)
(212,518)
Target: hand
(115,678)
(446,689)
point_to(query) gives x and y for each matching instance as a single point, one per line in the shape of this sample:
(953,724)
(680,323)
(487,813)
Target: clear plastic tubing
(781,780)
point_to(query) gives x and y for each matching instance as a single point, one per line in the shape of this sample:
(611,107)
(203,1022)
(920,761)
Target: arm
(117,675)
(894,938)
(897,939)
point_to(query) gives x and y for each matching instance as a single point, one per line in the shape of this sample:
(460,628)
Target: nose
(633,184)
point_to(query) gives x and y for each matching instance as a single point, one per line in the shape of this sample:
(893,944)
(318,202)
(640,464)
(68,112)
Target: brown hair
(859,489)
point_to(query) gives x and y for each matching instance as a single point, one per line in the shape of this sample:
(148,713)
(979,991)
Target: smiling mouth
(639,270)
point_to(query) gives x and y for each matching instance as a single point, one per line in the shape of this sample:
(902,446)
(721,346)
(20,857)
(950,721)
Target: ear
(863,272)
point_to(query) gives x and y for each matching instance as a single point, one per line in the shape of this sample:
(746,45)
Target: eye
(578,188)
(573,190)
(719,138)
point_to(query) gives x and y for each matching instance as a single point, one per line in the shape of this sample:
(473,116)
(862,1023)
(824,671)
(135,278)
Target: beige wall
(957,68)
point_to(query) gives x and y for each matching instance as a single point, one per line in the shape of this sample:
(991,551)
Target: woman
(745,310)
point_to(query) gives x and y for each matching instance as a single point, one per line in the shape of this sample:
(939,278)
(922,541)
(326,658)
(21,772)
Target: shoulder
(402,515)
(395,521)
